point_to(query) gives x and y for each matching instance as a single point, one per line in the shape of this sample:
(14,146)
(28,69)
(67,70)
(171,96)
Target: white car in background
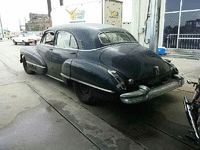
(26,38)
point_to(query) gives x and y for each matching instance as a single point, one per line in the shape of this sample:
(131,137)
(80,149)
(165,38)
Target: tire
(84,93)
(25,43)
(14,42)
(26,69)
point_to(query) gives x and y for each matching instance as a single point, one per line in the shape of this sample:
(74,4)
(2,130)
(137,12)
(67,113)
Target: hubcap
(84,89)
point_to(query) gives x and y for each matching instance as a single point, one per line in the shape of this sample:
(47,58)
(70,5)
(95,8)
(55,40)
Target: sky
(16,12)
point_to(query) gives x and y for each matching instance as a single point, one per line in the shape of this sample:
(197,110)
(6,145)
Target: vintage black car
(101,59)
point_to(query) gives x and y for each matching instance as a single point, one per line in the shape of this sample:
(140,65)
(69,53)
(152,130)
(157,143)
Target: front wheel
(25,43)
(26,69)
(14,42)
(84,93)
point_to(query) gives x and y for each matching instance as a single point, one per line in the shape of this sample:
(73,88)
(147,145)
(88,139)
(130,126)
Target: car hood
(28,37)
(134,61)
(32,37)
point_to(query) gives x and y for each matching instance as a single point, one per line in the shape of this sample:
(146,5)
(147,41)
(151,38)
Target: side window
(63,39)
(66,40)
(73,43)
(21,35)
(48,38)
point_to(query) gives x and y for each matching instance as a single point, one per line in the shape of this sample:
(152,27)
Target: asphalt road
(158,124)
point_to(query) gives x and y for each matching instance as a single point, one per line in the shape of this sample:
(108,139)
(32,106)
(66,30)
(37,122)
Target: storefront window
(170,27)
(190,4)
(172,5)
(188,30)
(190,23)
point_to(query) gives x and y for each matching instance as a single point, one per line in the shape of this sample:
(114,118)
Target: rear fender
(91,74)
(33,59)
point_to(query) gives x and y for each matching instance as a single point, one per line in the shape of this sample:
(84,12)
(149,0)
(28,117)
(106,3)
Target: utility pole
(49,8)
(154,24)
(61,2)
(19,25)
(1,26)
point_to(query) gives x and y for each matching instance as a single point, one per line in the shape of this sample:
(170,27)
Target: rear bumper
(144,93)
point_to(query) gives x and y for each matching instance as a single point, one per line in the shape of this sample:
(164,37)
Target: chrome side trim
(93,86)
(28,62)
(63,75)
(55,78)
(96,87)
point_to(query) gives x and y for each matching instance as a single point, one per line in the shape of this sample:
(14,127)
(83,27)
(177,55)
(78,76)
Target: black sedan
(101,60)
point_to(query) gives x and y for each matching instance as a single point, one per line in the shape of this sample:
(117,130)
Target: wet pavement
(38,112)
(42,128)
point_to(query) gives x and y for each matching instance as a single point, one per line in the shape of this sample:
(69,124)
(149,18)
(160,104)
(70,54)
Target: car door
(45,49)
(65,49)
(19,38)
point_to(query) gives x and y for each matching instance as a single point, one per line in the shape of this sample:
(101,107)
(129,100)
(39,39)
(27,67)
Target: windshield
(116,37)
(30,34)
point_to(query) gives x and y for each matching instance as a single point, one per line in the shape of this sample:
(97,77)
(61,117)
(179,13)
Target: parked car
(26,38)
(101,60)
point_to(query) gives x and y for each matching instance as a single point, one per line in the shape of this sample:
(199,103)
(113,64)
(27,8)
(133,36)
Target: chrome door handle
(73,53)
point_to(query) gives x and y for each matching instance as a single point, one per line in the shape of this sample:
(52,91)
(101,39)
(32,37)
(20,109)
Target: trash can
(161,51)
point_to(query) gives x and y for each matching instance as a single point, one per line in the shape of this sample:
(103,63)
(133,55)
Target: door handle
(73,53)
(51,49)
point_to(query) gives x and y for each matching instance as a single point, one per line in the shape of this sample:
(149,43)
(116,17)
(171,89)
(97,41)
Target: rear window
(115,37)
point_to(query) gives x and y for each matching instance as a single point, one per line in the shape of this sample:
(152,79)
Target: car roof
(84,26)
(87,33)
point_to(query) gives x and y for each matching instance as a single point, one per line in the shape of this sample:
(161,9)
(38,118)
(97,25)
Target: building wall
(40,21)
(139,20)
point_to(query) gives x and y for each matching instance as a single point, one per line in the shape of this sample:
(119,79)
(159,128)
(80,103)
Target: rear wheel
(84,93)
(26,69)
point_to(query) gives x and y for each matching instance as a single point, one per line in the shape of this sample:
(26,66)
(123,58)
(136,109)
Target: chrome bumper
(144,93)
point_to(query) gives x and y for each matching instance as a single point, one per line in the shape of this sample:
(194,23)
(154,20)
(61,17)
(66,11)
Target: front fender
(33,59)
(92,74)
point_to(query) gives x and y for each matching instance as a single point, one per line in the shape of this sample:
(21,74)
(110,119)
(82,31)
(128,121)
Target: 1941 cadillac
(101,60)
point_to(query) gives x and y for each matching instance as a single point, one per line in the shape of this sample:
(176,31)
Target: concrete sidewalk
(182,53)
(45,118)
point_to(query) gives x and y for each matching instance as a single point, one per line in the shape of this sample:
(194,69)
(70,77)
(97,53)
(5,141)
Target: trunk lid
(134,61)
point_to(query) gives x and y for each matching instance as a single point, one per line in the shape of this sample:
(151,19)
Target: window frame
(180,11)
(44,35)
(127,34)
(56,39)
